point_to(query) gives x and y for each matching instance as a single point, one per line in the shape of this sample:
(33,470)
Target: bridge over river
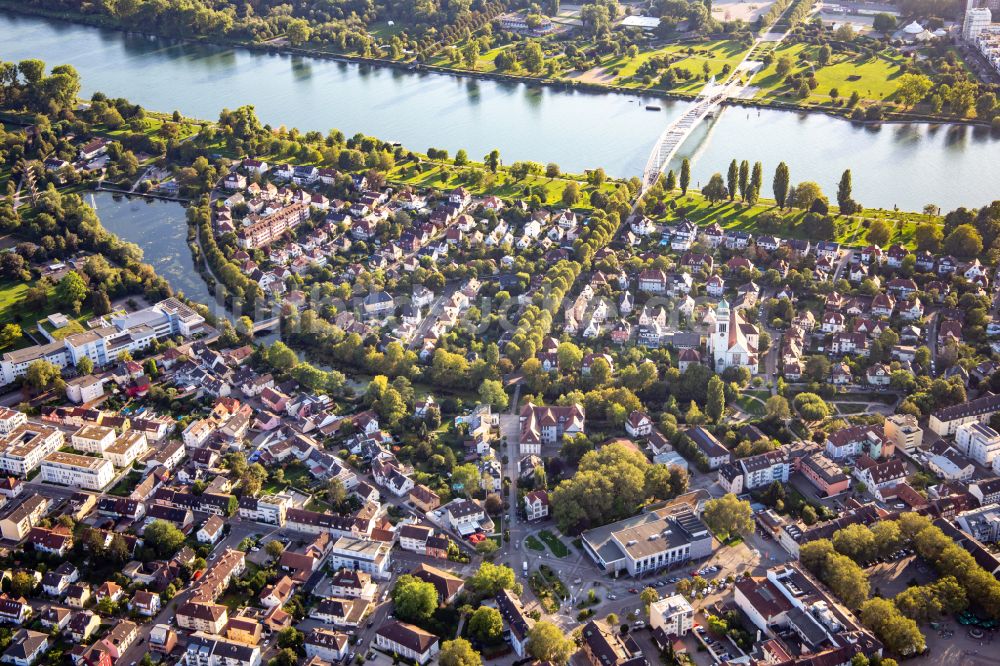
(709,101)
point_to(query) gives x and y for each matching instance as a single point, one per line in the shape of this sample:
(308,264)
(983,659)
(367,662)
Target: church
(734,342)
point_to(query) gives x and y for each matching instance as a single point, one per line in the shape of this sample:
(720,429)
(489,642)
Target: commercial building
(70,469)
(103,344)
(648,542)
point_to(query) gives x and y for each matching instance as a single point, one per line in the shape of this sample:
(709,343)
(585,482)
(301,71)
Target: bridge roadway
(709,100)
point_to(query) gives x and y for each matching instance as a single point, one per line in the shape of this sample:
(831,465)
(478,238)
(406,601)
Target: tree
(470,53)
(727,516)
(486,625)
(776,407)
(571,194)
(783,66)
(415,600)
(547,642)
(685,176)
(298,32)
(487,547)
(844,200)
(467,478)
(732,179)
(10,334)
(715,406)
(163,537)
(879,232)
(756,181)
(665,482)
(458,652)
(22,584)
(492,160)
(856,542)
(899,633)
(806,194)
(884,23)
(715,191)
(336,494)
(671,182)
(281,357)
(780,184)
(744,179)
(928,236)
(965,242)
(912,88)
(274,549)
(811,407)
(490,579)
(648,597)
(491,393)
(71,290)
(824,54)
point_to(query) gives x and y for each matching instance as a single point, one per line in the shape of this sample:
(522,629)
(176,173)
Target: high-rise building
(977,19)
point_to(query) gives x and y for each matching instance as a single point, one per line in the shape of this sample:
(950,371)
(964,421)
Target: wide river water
(893,165)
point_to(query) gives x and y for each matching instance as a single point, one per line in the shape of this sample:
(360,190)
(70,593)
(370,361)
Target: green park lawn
(534,544)
(557,547)
(716,53)
(873,78)
(851,231)
(447,176)
(751,405)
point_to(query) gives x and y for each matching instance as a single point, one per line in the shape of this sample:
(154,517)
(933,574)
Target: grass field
(873,78)
(534,544)
(691,58)
(849,230)
(440,175)
(557,547)
(751,405)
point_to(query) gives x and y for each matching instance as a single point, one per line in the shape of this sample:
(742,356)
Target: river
(160,229)
(905,165)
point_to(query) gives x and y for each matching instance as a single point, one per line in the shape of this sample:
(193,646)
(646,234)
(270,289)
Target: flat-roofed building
(673,614)
(372,557)
(93,438)
(904,431)
(209,650)
(10,419)
(648,542)
(23,450)
(127,448)
(70,469)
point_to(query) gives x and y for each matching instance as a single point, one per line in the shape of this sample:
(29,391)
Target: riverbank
(560,84)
